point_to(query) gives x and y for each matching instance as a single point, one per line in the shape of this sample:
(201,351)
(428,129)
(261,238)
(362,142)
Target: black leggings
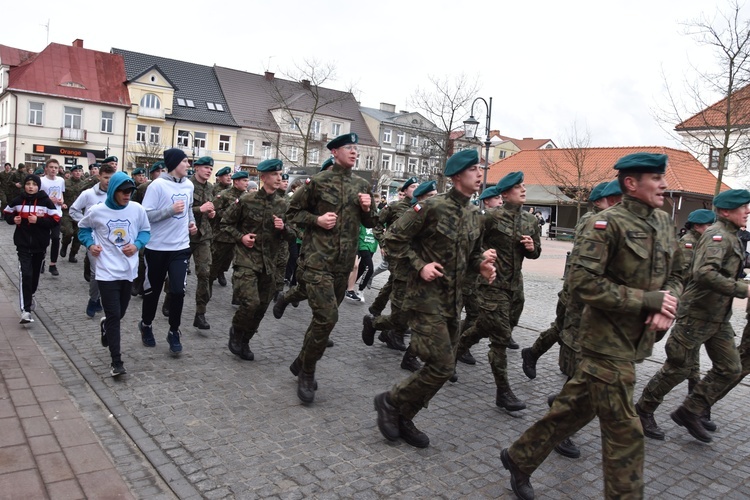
(159,264)
(29,269)
(115,297)
(365,262)
(54,247)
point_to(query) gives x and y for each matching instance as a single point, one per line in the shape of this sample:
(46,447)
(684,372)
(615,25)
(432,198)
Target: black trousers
(291,264)
(115,297)
(54,247)
(159,265)
(365,263)
(29,269)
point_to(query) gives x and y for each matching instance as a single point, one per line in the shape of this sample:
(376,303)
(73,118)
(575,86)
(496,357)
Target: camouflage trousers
(281,260)
(298,292)
(683,359)
(69,229)
(325,291)
(568,360)
(551,335)
(493,322)
(254,289)
(744,351)
(384,296)
(516,307)
(222,254)
(434,339)
(471,306)
(600,388)
(201,253)
(397,319)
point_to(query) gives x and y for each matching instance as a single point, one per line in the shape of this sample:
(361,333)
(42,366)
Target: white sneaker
(352,296)
(26,317)
(361,295)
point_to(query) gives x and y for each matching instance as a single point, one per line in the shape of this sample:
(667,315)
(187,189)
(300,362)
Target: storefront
(70,156)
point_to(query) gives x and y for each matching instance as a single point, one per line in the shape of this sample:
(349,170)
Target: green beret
(409,182)
(159,165)
(223,171)
(204,160)
(284,177)
(97,165)
(39,171)
(272,165)
(109,159)
(343,140)
(190,172)
(596,193)
(242,174)
(460,162)
(489,192)
(424,188)
(612,189)
(650,163)
(326,164)
(509,181)
(76,167)
(732,199)
(139,171)
(702,216)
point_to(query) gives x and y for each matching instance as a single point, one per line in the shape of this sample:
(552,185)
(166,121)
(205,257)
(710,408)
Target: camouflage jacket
(74,188)
(336,190)
(503,229)
(442,229)
(471,278)
(388,216)
(688,242)
(714,281)
(625,251)
(222,202)
(140,192)
(253,213)
(202,194)
(219,187)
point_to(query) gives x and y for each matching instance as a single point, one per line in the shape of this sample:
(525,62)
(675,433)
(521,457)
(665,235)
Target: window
(424,168)
(387,136)
(180,101)
(369,162)
(150,101)
(266,154)
(211,106)
(36,113)
(219,107)
(502,154)
(140,134)
(200,140)
(414,141)
(313,156)
(183,138)
(189,103)
(108,118)
(412,165)
(315,128)
(401,138)
(399,164)
(293,123)
(155,135)
(385,163)
(713,159)
(335,129)
(249,147)
(72,117)
(224,143)
(293,153)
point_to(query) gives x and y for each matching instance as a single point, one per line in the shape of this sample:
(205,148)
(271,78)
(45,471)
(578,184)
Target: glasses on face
(350,147)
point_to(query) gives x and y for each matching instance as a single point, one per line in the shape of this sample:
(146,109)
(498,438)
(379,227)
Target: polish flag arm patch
(688,245)
(717,237)
(600,224)
(417,207)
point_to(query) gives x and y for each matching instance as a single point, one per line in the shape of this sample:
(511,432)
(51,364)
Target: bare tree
(145,154)
(299,100)
(716,130)
(445,102)
(571,168)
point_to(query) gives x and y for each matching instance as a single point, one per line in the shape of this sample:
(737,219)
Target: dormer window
(150,101)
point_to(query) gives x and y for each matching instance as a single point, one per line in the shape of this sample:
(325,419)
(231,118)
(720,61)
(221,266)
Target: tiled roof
(193,81)
(74,73)
(684,174)
(251,97)
(714,116)
(401,118)
(11,56)
(522,144)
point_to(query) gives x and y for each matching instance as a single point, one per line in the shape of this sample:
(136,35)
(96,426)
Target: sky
(550,66)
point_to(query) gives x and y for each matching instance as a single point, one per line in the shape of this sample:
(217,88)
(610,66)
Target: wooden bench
(561,233)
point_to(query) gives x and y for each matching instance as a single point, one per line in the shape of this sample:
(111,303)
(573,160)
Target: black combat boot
(222,279)
(567,448)
(692,422)
(393,340)
(650,429)
(708,424)
(279,307)
(529,362)
(296,367)
(235,339)
(368,330)
(306,387)
(519,481)
(512,344)
(410,362)
(506,399)
(467,358)
(200,322)
(413,436)
(388,417)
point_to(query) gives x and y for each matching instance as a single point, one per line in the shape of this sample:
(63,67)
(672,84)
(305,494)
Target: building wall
(736,174)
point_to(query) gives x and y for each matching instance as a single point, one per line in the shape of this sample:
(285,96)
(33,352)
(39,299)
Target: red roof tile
(11,56)
(74,73)
(684,174)
(714,116)
(522,144)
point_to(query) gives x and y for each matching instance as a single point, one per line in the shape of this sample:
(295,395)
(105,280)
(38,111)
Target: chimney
(389,108)
(404,112)
(269,76)
(528,138)
(78,43)
(305,84)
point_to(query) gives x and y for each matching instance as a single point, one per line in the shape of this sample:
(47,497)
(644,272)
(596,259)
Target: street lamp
(470,132)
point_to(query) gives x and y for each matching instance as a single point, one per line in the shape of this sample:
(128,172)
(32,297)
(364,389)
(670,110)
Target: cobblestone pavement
(214,426)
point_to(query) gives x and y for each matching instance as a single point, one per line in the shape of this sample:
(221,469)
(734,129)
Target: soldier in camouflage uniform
(628,272)
(222,248)
(200,242)
(223,182)
(283,255)
(491,199)
(15,183)
(703,319)
(5,176)
(330,207)
(73,189)
(441,240)
(139,176)
(257,225)
(514,235)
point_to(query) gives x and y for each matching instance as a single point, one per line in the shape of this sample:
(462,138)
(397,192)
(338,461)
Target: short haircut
(107,169)
(621,178)
(51,161)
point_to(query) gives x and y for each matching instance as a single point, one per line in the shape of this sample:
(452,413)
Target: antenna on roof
(46,26)
(268,64)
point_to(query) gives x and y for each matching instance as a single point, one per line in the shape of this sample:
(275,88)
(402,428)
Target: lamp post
(470,131)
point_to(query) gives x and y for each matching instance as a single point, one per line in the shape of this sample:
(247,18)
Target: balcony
(415,150)
(400,148)
(72,134)
(157,113)
(247,160)
(317,137)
